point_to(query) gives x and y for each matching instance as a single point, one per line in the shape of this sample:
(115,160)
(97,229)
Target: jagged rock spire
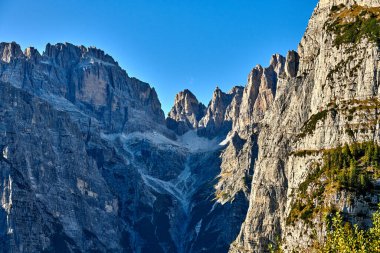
(87,77)
(213,122)
(185,113)
(9,51)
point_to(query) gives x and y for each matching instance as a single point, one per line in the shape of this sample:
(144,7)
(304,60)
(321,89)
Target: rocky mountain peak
(233,109)
(32,54)
(260,92)
(87,78)
(213,122)
(217,97)
(336,68)
(63,54)
(236,90)
(66,54)
(278,63)
(185,113)
(261,89)
(255,75)
(98,54)
(9,51)
(185,97)
(292,64)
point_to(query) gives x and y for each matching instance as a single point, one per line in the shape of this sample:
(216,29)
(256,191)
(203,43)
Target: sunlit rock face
(88,78)
(215,122)
(312,110)
(88,162)
(186,113)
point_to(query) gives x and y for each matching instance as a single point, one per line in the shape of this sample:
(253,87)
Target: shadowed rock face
(88,165)
(85,150)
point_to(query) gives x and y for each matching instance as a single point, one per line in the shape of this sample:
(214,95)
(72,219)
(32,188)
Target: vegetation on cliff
(351,109)
(351,168)
(350,25)
(343,237)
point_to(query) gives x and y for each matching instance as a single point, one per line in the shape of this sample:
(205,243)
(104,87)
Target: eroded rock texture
(88,162)
(312,111)
(186,113)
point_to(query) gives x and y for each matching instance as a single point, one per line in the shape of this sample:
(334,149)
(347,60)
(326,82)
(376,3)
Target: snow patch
(198,227)
(183,184)
(5,152)
(91,61)
(179,188)
(225,141)
(153,137)
(161,186)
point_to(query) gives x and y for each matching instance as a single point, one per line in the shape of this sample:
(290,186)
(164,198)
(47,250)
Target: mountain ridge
(88,153)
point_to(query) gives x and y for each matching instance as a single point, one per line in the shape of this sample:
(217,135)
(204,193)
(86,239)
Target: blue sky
(171,44)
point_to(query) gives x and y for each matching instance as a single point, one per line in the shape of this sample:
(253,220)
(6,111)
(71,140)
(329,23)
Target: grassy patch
(351,25)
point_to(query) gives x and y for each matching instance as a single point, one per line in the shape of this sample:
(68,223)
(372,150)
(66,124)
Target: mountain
(89,163)
(186,113)
(319,115)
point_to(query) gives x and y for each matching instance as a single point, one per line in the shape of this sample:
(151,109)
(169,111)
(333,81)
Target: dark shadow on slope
(212,227)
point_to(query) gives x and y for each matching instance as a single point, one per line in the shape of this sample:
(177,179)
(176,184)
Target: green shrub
(342,237)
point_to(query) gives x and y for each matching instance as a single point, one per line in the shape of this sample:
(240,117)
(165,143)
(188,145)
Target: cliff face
(86,77)
(217,120)
(330,101)
(68,183)
(241,152)
(89,163)
(186,113)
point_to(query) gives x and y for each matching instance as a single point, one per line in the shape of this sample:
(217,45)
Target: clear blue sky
(171,44)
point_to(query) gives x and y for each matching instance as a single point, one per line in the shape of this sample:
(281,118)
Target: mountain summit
(90,164)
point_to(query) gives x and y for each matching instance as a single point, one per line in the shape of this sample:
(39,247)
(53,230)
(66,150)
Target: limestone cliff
(88,162)
(186,113)
(88,165)
(238,158)
(330,101)
(87,77)
(216,122)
